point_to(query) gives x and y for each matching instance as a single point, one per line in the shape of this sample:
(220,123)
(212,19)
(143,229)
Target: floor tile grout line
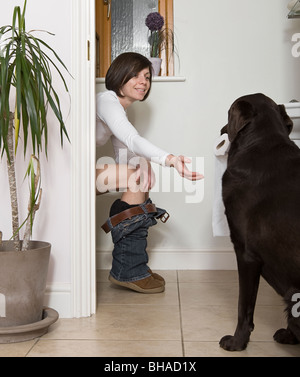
(180,315)
(32,347)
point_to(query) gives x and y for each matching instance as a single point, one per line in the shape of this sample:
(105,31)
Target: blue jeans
(130,257)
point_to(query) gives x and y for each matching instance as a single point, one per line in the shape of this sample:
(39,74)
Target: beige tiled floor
(188,319)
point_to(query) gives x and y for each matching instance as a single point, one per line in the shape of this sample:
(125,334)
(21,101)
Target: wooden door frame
(103,29)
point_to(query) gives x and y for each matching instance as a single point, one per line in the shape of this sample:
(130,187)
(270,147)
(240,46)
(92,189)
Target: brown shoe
(147,285)
(157,277)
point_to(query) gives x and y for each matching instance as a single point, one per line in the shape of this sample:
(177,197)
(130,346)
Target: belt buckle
(164,218)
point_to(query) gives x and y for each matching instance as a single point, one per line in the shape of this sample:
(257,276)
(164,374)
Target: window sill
(101,80)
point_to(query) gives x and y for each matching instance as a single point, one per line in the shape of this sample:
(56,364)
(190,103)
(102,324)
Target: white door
(83,158)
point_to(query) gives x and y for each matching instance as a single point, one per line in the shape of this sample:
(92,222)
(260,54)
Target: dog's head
(246,109)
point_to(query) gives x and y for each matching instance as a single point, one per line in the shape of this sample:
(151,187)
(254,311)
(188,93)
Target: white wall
(227,49)
(53,220)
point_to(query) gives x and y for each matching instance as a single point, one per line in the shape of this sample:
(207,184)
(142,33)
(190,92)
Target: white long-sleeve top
(112,122)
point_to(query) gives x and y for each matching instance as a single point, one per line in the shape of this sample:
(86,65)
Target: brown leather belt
(129,213)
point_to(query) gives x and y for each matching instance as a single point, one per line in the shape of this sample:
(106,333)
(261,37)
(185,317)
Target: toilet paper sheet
(219,220)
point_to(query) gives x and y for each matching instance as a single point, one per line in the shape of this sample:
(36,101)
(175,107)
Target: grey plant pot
(23,277)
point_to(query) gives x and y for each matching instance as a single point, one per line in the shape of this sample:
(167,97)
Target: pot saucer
(31,331)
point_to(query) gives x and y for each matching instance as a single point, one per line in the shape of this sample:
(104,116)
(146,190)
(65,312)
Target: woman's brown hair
(123,68)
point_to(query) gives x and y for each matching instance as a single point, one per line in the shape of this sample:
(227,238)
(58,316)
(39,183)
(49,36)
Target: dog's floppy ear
(224,130)
(286,119)
(240,114)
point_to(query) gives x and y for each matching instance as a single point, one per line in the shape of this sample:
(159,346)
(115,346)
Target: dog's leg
(249,274)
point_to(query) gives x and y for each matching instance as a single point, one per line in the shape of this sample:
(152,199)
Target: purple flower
(154,21)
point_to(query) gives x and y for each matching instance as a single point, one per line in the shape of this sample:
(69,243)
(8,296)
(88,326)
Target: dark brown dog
(261,194)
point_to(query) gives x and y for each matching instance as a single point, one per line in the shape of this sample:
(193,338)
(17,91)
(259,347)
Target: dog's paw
(232,343)
(285,336)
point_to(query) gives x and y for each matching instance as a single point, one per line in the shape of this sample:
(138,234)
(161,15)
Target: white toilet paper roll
(221,145)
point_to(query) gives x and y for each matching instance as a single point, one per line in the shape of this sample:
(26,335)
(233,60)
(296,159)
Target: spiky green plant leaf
(26,65)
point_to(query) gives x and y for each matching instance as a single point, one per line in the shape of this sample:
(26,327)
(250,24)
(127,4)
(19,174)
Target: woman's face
(136,88)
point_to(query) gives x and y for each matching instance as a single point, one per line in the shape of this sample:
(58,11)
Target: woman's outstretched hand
(178,162)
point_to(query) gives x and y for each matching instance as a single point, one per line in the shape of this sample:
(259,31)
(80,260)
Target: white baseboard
(180,259)
(58,297)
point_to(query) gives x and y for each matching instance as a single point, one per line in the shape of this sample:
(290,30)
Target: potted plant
(159,39)
(25,77)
